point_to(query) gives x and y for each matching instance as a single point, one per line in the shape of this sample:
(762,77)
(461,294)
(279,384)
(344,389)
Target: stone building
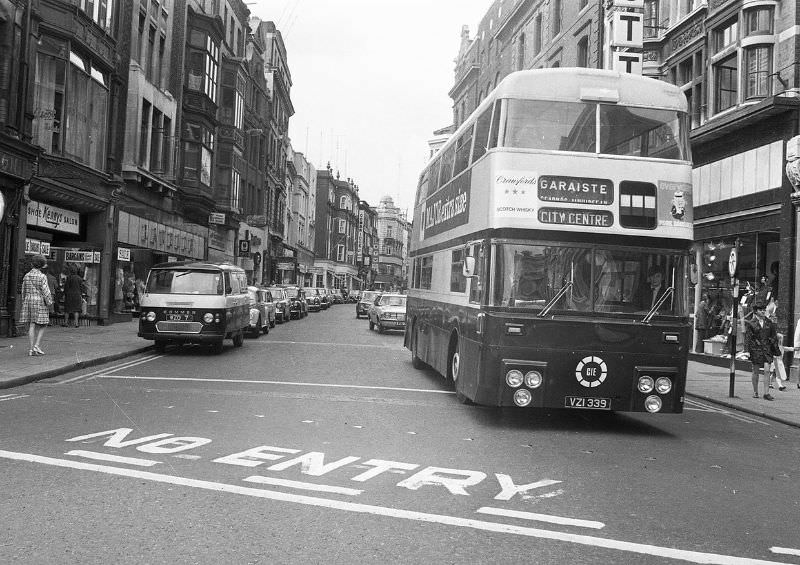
(336,230)
(393,232)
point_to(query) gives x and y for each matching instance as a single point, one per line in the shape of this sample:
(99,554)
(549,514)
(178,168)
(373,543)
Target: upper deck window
(572,126)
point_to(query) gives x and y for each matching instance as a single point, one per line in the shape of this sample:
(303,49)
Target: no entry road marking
(112,458)
(592,541)
(541,517)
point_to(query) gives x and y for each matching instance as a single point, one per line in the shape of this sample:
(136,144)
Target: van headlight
(150,316)
(208,317)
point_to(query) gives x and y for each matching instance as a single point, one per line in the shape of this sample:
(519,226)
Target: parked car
(298,307)
(367,299)
(313,299)
(325,298)
(281,303)
(337,296)
(388,312)
(262,310)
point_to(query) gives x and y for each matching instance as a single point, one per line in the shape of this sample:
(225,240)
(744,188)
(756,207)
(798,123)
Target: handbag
(780,369)
(84,306)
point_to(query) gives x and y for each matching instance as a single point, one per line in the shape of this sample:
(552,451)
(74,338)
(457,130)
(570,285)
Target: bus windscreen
(604,280)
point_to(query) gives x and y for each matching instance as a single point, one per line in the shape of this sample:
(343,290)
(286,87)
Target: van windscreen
(174,281)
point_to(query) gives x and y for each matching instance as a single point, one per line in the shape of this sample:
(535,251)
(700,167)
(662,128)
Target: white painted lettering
(509,489)
(255,456)
(177,444)
(381,466)
(439,476)
(117,437)
(312,464)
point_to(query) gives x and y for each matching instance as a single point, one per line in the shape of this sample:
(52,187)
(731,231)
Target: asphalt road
(319,443)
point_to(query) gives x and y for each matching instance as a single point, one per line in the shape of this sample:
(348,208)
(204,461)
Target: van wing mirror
(468,269)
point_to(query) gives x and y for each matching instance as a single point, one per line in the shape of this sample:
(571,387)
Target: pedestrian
(702,322)
(796,348)
(52,285)
(761,342)
(73,296)
(36,301)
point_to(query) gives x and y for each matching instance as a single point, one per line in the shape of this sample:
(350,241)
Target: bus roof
(597,85)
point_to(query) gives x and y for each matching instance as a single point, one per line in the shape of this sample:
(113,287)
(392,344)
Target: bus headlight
(150,316)
(663,385)
(645,384)
(514,378)
(652,403)
(522,397)
(533,379)
(208,317)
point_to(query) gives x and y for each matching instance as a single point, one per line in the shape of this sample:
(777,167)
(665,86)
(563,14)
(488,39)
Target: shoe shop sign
(54,218)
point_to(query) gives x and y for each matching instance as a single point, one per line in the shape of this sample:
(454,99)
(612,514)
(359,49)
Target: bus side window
(478,281)
(495,131)
(228,288)
(482,134)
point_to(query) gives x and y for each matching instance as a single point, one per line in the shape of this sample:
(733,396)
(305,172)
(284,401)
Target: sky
(369,83)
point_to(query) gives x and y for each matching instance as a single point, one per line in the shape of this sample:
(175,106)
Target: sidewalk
(69,349)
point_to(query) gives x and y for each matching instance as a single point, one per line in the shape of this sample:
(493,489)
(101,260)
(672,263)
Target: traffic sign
(732,260)
(244,248)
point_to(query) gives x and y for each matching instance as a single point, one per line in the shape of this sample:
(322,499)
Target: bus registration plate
(587,402)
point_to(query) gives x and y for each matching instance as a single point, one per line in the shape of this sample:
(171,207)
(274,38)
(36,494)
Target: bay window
(198,150)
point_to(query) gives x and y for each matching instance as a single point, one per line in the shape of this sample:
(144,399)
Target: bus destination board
(448,208)
(575,190)
(576,217)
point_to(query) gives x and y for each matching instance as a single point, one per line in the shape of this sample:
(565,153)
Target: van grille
(179,327)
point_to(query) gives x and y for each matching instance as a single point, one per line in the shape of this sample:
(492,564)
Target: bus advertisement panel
(549,268)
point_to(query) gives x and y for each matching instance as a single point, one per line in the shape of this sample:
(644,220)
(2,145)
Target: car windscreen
(369,296)
(393,301)
(292,292)
(176,281)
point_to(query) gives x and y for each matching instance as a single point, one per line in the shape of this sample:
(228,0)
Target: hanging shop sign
(53,218)
(34,247)
(216,218)
(123,254)
(257,221)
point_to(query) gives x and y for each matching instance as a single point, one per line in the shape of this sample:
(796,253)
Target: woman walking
(36,302)
(73,293)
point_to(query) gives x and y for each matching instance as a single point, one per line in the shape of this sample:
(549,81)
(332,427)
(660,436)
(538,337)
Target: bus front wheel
(454,370)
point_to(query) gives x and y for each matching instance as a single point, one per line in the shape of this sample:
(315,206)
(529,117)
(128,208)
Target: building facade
(300,218)
(336,232)
(393,231)
(367,245)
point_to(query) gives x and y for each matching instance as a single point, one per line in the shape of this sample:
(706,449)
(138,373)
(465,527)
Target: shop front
(142,243)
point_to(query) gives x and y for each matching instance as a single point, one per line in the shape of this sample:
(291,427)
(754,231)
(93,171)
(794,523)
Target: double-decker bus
(550,246)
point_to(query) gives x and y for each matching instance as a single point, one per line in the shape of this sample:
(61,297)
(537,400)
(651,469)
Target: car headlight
(208,317)
(150,316)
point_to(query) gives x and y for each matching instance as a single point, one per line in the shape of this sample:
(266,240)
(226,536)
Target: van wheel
(160,345)
(416,362)
(216,347)
(238,339)
(266,329)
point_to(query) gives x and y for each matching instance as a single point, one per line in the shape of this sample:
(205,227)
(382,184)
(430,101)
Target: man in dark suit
(761,341)
(652,291)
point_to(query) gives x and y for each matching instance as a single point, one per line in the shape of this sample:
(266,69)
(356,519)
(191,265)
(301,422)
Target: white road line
(112,458)
(288,383)
(12,397)
(785,550)
(541,517)
(640,548)
(111,369)
(301,485)
(701,407)
(315,343)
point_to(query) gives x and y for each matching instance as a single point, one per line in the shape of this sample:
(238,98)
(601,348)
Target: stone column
(793,173)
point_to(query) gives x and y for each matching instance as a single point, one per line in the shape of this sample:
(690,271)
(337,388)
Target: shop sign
(96,257)
(80,256)
(14,166)
(257,221)
(285,266)
(216,218)
(34,246)
(53,217)
(217,239)
(123,254)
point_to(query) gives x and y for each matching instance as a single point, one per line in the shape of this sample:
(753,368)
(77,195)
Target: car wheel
(238,339)
(380,328)
(256,331)
(371,325)
(272,323)
(266,328)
